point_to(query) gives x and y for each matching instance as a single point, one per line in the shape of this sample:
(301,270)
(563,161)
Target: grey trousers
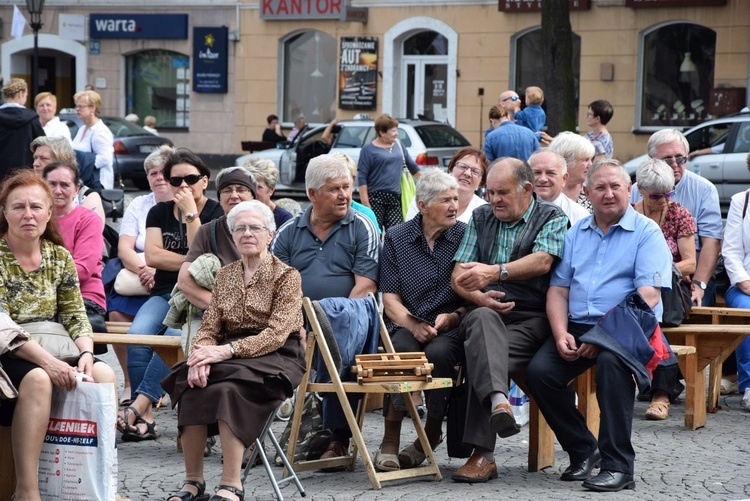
(496,346)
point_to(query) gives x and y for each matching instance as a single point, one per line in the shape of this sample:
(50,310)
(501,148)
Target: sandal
(237,492)
(123,421)
(189,496)
(151,432)
(126,397)
(729,387)
(657,411)
(411,457)
(386,462)
(248,454)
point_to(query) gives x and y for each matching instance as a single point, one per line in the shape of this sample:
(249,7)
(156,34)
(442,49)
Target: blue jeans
(735,298)
(145,368)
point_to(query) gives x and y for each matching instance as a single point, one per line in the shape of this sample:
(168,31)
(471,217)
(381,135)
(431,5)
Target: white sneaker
(746,400)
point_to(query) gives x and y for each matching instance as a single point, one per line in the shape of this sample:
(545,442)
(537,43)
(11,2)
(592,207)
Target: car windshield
(440,136)
(352,136)
(123,128)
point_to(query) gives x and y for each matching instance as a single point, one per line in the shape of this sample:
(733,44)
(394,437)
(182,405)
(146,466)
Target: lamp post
(35,10)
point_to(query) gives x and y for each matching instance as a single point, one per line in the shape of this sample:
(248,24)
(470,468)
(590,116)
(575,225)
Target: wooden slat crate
(384,367)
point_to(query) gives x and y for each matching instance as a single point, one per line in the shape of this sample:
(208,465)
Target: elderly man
(550,174)
(607,256)
(335,249)
(510,140)
(503,268)
(700,197)
(510,102)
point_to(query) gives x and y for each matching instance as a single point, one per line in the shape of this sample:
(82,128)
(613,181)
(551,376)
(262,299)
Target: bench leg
(588,405)
(541,440)
(7,467)
(714,384)
(695,391)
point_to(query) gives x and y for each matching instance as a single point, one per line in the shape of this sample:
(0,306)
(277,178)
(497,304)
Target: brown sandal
(657,411)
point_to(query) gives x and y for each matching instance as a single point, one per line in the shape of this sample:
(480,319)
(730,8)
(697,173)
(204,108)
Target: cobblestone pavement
(711,463)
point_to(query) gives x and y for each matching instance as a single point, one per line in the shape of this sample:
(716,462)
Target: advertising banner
(210,48)
(358,73)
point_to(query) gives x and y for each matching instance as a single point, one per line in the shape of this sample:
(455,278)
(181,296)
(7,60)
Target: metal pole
(35,67)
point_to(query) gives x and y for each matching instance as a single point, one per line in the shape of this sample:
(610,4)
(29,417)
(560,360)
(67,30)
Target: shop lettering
(301,7)
(116,25)
(71,426)
(208,54)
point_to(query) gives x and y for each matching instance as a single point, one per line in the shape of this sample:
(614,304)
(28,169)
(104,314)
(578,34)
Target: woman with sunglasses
(656,185)
(170,229)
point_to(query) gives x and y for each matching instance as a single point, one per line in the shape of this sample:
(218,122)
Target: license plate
(148,148)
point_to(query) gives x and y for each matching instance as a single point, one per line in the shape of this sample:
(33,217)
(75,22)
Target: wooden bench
(167,347)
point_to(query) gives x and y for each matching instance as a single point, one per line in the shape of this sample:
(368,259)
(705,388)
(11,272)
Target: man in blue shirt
(607,255)
(510,140)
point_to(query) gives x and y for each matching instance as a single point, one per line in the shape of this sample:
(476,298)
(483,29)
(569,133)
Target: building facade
(661,63)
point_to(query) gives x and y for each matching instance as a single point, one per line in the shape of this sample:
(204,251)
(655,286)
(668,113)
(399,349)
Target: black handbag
(677,301)
(456,416)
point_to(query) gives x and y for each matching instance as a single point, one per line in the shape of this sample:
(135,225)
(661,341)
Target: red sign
(302,9)
(643,4)
(536,5)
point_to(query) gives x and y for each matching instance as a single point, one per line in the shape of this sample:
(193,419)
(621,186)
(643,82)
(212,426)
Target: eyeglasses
(512,98)
(190,179)
(240,190)
(463,168)
(254,230)
(82,106)
(659,196)
(680,160)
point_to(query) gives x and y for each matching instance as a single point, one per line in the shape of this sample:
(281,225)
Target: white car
(428,143)
(728,169)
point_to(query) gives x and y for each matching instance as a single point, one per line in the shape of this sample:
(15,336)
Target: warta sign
(153,26)
(277,10)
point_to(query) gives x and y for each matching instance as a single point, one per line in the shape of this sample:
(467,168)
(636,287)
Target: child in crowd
(533,116)
(597,117)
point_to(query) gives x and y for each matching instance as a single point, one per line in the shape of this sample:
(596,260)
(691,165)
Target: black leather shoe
(582,470)
(610,481)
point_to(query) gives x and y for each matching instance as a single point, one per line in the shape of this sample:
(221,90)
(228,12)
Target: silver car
(727,170)
(430,144)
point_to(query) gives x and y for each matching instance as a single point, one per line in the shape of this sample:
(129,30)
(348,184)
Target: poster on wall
(210,48)
(358,73)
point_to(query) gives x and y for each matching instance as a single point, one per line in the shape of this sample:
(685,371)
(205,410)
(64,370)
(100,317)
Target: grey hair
(157,159)
(558,158)
(255,207)
(665,136)
(263,169)
(521,171)
(571,147)
(654,174)
(432,183)
(323,168)
(348,162)
(60,147)
(606,162)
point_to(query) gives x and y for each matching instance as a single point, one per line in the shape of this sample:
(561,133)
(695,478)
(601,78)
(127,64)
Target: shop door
(425,88)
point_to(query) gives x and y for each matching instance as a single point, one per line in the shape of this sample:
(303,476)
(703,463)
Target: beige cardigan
(12,337)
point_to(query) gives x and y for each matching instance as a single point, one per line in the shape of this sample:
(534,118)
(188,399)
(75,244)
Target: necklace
(661,214)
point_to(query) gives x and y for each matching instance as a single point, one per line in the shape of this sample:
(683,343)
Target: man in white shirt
(550,174)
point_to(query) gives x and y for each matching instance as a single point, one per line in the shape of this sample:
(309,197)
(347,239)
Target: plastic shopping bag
(519,404)
(79,455)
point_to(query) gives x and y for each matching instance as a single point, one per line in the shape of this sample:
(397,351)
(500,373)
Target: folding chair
(258,449)
(316,338)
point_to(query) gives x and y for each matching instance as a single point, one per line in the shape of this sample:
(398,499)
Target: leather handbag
(676,302)
(54,338)
(128,283)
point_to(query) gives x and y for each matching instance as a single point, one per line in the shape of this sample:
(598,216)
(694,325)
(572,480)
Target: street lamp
(35,10)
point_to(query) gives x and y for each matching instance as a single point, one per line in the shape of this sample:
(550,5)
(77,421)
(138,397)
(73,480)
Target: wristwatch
(503,273)
(231,349)
(700,284)
(190,217)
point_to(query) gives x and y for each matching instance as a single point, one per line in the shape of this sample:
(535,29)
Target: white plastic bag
(79,455)
(519,404)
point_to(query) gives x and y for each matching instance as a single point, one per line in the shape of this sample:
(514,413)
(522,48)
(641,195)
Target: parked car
(428,143)
(726,170)
(132,145)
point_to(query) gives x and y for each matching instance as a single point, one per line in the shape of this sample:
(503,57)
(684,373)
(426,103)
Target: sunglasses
(659,196)
(680,160)
(512,98)
(190,179)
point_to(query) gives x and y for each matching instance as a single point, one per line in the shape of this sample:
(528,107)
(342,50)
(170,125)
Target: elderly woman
(379,172)
(469,167)
(170,229)
(246,358)
(82,234)
(58,149)
(45,104)
(578,152)
(266,175)
(94,136)
(38,282)
(18,127)
(736,252)
(422,312)
(656,186)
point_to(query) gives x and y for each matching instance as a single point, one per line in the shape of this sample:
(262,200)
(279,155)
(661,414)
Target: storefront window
(309,79)
(527,68)
(158,84)
(676,67)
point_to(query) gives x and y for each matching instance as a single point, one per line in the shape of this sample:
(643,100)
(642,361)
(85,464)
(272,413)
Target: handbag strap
(214,243)
(403,157)
(744,209)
